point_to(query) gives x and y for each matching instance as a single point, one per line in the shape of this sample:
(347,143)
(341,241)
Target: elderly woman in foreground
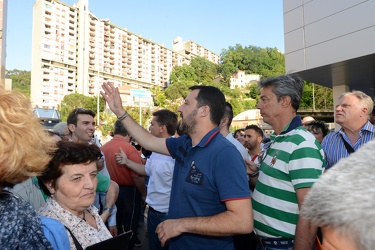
(70,181)
(24,152)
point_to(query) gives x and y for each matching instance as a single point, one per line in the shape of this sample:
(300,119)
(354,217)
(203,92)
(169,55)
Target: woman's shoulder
(17,217)
(13,206)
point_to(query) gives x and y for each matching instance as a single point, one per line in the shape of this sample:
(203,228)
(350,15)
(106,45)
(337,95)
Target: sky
(213,24)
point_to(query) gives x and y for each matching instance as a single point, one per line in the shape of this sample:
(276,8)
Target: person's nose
(90,182)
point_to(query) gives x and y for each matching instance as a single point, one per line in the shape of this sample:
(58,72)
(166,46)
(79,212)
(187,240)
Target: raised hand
(112,96)
(121,157)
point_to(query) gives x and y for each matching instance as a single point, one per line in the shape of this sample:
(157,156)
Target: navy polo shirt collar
(208,137)
(295,123)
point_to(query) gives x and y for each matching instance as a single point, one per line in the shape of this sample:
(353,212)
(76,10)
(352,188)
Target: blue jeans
(154,218)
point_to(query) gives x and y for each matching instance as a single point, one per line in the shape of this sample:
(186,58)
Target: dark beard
(188,124)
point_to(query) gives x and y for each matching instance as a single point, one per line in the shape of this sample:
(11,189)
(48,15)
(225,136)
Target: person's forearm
(227,223)
(140,184)
(136,167)
(305,235)
(222,224)
(142,136)
(111,194)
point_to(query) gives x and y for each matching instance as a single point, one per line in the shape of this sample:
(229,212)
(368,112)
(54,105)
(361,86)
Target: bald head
(307,119)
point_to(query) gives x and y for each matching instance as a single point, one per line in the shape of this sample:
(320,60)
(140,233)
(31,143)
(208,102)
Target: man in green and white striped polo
(292,161)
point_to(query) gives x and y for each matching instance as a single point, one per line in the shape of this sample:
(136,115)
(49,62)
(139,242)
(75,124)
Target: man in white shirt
(225,123)
(159,168)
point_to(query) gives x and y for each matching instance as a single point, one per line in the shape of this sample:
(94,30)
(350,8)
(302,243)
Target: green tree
(21,80)
(205,71)
(77,100)
(267,62)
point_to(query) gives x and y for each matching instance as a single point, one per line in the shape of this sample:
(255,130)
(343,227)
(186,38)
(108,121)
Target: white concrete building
(331,43)
(239,79)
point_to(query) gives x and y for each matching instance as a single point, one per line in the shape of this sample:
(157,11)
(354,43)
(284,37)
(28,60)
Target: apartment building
(192,49)
(75,51)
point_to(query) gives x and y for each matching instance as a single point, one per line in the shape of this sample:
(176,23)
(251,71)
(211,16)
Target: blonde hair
(25,147)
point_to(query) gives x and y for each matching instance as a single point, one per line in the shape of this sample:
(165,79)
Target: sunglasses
(262,154)
(79,110)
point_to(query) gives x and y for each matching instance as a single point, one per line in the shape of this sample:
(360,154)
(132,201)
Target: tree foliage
(76,100)
(266,62)
(21,80)
(321,99)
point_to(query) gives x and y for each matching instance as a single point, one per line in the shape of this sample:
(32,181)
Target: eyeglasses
(262,154)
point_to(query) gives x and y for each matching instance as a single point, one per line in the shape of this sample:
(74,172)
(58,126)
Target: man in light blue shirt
(352,113)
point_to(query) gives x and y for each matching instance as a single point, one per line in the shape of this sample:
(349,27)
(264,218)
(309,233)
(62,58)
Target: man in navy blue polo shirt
(210,197)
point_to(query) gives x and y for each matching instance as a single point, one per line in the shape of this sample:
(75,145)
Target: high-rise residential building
(3,38)
(74,52)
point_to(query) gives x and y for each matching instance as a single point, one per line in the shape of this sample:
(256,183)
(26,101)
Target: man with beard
(253,140)
(210,197)
(291,163)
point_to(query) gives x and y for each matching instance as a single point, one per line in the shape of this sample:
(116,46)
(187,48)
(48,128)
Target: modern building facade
(331,43)
(3,38)
(75,51)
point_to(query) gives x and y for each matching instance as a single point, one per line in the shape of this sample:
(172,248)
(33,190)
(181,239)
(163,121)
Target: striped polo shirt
(334,147)
(293,160)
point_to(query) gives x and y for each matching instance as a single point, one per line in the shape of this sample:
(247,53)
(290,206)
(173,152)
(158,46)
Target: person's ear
(50,187)
(224,122)
(205,110)
(364,111)
(72,127)
(285,101)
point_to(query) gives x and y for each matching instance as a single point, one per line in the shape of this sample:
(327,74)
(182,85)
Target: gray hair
(285,85)
(60,128)
(365,101)
(344,198)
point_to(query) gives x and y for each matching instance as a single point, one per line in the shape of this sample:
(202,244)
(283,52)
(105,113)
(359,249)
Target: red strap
(254,157)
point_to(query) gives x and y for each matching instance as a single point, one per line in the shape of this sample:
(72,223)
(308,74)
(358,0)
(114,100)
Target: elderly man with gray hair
(352,113)
(342,202)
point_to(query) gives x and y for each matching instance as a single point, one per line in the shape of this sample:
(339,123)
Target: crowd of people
(205,187)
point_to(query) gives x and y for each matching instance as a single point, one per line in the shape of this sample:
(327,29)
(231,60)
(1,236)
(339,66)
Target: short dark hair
(237,131)
(73,116)
(119,129)
(213,98)
(68,153)
(314,126)
(228,113)
(257,129)
(167,118)
(285,85)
